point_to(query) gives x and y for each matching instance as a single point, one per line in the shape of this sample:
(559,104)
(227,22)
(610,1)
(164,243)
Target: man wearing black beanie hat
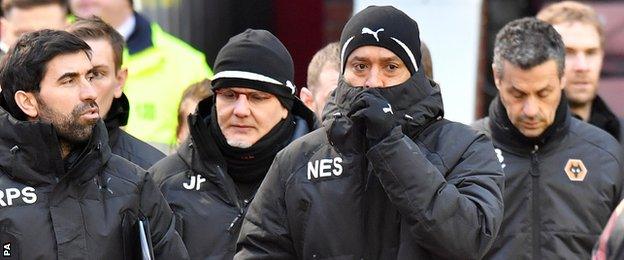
(387,177)
(234,137)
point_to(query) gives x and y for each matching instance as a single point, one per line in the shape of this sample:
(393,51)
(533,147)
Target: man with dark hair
(23,16)
(563,177)
(583,35)
(160,67)
(387,177)
(324,71)
(234,136)
(109,79)
(62,193)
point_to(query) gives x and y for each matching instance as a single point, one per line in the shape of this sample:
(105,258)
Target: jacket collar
(30,152)
(117,116)
(602,117)
(202,153)
(505,133)
(416,103)
(141,37)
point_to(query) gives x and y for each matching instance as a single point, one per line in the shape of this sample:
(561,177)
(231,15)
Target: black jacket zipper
(536,218)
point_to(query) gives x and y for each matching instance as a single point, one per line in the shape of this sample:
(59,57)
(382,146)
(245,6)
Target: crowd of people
(358,164)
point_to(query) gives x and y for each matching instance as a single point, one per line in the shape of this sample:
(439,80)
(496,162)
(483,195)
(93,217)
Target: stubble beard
(238,143)
(578,103)
(69,128)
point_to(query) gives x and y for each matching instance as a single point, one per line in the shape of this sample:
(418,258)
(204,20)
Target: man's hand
(373,112)
(344,136)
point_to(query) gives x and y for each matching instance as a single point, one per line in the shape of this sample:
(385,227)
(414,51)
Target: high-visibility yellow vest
(157,77)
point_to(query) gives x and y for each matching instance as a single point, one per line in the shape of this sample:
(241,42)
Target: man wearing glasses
(234,137)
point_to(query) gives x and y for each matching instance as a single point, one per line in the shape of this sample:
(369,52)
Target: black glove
(372,111)
(342,135)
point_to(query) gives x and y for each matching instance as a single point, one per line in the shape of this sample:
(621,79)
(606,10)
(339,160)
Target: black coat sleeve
(166,241)
(454,214)
(265,233)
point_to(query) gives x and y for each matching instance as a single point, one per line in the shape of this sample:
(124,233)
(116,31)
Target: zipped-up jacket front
(208,207)
(431,189)
(559,193)
(88,211)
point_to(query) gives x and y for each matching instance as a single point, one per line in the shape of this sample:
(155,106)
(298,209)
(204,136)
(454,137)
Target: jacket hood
(414,102)
(507,134)
(30,152)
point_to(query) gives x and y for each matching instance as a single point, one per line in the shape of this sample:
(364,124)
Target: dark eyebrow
(389,59)
(358,58)
(548,87)
(68,75)
(99,68)
(517,89)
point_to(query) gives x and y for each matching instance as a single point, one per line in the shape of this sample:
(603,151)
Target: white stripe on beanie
(400,43)
(237,74)
(409,52)
(342,57)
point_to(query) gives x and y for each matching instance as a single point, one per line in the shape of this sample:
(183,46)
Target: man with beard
(108,79)
(563,177)
(583,35)
(62,193)
(387,177)
(234,136)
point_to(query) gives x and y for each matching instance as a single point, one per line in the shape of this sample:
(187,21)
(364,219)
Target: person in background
(426,60)
(24,16)
(190,98)
(323,73)
(563,177)
(160,67)
(610,244)
(109,79)
(583,35)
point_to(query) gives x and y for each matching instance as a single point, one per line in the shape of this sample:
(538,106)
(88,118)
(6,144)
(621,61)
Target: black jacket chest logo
(324,168)
(194,182)
(575,169)
(10,196)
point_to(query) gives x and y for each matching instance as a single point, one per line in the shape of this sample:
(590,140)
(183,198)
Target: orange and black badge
(575,169)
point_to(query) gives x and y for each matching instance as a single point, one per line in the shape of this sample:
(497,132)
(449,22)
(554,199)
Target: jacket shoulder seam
(582,137)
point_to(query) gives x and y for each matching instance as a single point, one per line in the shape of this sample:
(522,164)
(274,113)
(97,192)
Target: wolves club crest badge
(575,169)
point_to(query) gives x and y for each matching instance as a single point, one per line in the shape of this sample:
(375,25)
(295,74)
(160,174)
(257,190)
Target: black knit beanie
(386,27)
(256,59)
